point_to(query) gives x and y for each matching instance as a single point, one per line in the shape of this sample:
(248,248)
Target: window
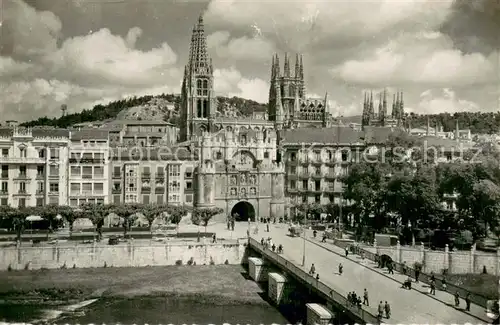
(99,201)
(54,153)
(22,152)
(116,199)
(54,170)
(76,171)
(5,187)
(5,171)
(317,155)
(87,188)
(54,187)
(219,155)
(145,170)
(39,201)
(317,185)
(317,171)
(98,172)
(189,185)
(173,186)
(22,202)
(86,156)
(293,170)
(266,154)
(41,153)
(345,155)
(117,171)
(174,171)
(5,153)
(189,198)
(293,184)
(293,156)
(159,171)
(73,202)
(304,184)
(74,188)
(54,200)
(145,199)
(4,202)
(173,198)
(317,198)
(304,199)
(330,155)
(117,186)
(40,170)
(22,187)
(22,171)
(98,188)
(87,172)
(39,187)
(98,156)
(189,173)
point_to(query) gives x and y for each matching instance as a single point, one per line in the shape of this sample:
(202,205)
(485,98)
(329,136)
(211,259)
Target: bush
(191,261)
(9,268)
(178,262)
(212,261)
(226,262)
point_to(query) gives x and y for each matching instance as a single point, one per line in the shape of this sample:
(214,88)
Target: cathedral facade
(381,117)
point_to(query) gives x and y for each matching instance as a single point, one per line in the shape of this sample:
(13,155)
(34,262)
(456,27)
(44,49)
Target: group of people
(268,244)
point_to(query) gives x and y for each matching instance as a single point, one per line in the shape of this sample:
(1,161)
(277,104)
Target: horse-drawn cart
(295,231)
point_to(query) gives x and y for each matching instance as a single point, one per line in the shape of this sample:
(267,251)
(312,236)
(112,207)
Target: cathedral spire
(380,110)
(199,60)
(301,69)
(277,73)
(297,66)
(286,67)
(273,70)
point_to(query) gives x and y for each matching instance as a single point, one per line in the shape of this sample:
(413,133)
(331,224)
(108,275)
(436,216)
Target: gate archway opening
(242,211)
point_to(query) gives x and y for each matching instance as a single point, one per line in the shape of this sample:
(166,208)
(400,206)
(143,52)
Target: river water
(152,310)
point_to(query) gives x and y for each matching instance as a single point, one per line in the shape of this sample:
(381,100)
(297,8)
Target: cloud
(419,58)
(78,72)
(243,48)
(446,100)
(231,82)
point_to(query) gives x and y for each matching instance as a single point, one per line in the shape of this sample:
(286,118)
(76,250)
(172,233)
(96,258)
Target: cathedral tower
(198,101)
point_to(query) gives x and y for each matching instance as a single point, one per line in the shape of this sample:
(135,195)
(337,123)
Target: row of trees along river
(15,219)
(405,198)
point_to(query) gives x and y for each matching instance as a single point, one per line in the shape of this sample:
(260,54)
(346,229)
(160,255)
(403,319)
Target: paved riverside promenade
(407,306)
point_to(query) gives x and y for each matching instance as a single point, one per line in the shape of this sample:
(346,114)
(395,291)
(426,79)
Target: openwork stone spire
(199,60)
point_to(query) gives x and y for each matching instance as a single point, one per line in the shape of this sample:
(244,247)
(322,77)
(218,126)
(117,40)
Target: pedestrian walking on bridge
(341,269)
(380,311)
(467,302)
(312,270)
(365,298)
(387,308)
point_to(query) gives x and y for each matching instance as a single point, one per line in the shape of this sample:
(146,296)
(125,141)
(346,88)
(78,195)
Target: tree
(49,213)
(176,213)
(19,216)
(96,213)
(70,215)
(151,212)
(486,206)
(203,215)
(125,211)
(314,209)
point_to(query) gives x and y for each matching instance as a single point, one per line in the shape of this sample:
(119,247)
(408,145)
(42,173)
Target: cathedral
(248,166)
(381,118)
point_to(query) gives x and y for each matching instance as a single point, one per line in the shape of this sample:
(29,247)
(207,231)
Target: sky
(444,54)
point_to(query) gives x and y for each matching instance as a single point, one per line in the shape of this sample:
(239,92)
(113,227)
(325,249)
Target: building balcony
(54,175)
(86,160)
(22,160)
(317,175)
(146,190)
(159,190)
(330,189)
(304,175)
(40,176)
(145,175)
(331,162)
(116,175)
(21,192)
(292,189)
(55,193)
(40,192)
(160,176)
(5,176)
(302,190)
(291,162)
(87,176)
(116,191)
(292,176)
(4,192)
(330,176)
(317,162)
(304,161)
(21,177)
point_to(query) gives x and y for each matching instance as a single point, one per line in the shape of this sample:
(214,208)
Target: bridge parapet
(333,298)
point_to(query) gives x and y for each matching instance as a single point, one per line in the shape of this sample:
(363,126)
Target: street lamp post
(304,240)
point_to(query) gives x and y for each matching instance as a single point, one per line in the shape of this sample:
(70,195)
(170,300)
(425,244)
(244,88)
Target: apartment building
(88,166)
(152,176)
(33,163)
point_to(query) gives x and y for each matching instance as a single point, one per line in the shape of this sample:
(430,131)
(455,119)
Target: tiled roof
(50,132)
(445,143)
(139,122)
(154,154)
(89,134)
(322,135)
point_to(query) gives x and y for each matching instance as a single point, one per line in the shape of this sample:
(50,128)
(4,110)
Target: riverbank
(218,283)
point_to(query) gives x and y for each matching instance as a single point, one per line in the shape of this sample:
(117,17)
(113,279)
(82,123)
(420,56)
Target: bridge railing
(361,312)
(475,298)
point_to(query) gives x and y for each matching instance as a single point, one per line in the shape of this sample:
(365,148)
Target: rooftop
(163,153)
(89,134)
